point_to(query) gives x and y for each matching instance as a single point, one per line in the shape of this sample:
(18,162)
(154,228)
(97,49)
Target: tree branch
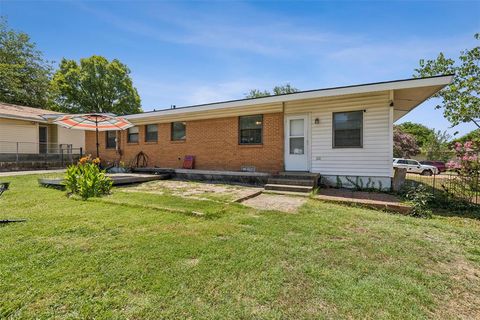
(476,123)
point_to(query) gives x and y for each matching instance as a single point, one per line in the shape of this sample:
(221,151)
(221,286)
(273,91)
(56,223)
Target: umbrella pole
(96,133)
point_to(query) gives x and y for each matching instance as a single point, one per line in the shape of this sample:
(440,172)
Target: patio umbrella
(93,122)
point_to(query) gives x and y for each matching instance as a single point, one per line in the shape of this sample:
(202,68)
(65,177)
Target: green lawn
(138,255)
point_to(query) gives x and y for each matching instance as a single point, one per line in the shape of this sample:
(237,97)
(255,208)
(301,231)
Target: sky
(190,52)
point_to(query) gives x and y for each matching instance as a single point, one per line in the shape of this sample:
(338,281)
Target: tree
(255,93)
(471,136)
(277,90)
(460,99)
(438,146)
(285,89)
(94,85)
(404,144)
(420,132)
(24,74)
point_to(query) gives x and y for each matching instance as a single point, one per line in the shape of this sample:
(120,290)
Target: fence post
(16,155)
(434,178)
(61,155)
(476,189)
(81,152)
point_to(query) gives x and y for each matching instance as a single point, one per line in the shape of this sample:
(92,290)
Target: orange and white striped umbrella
(93,122)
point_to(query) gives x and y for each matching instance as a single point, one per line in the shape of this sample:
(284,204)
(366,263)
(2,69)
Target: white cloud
(194,92)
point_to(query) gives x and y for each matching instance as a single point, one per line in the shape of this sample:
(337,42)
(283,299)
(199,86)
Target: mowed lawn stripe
(132,255)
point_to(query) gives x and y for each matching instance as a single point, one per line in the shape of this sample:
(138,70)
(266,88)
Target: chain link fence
(31,154)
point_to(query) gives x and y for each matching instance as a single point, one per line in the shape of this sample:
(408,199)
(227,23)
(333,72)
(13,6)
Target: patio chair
(4,187)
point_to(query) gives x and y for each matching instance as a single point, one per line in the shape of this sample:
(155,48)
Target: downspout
(391,107)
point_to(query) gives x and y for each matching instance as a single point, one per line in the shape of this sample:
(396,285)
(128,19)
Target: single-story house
(26,130)
(342,133)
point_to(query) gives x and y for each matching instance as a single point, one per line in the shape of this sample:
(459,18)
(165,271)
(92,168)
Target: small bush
(421,198)
(86,179)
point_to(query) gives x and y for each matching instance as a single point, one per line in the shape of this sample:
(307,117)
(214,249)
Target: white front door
(296,143)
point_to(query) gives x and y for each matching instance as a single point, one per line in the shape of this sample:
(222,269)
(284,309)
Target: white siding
(374,159)
(71,136)
(23,132)
(26,134)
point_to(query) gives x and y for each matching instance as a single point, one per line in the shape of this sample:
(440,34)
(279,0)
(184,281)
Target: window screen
(179,131)
(250,129)
(110,139)
(132,134)
(348,129)
(151,133)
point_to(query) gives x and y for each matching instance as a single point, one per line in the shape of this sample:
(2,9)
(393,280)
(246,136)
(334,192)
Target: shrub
(421,198)
(314,192)
(86,179)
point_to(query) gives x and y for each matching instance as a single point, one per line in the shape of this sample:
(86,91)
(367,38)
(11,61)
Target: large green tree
(94,85)
(284,89)
(420,132)
(24,73)
(460,99)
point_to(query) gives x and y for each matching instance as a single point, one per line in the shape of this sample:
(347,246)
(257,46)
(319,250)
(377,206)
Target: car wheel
(427,173)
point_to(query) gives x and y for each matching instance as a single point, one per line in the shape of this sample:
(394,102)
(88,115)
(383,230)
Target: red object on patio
(93,122)
(189,162)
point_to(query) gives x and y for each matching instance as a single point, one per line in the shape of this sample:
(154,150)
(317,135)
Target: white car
(413,166)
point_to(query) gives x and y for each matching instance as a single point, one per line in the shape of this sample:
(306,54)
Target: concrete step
(286,187)
(290,181)
(288,193)
(298,175)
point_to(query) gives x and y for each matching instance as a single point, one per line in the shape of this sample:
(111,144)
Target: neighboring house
(341,132)
(26,130)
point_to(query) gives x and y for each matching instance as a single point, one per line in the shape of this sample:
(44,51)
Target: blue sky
(186,53)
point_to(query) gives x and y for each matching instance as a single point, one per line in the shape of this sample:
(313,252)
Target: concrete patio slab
(198,190)
(276,202)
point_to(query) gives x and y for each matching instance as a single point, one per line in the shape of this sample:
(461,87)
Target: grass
(138,255)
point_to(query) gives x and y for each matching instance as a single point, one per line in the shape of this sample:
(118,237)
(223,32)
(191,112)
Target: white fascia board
(362,88)
(8,116)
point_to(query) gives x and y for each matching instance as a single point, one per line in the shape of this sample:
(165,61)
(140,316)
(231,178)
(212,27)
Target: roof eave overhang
(405,100)
(438,81)
(9,116)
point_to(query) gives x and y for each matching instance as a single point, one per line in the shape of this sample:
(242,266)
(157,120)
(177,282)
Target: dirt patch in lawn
(464,300)
(196,190)
(276,202)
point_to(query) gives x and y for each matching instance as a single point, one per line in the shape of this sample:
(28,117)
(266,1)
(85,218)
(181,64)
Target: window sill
(132,143)
(361,147)
(257,145)
(178,141)
(151,142)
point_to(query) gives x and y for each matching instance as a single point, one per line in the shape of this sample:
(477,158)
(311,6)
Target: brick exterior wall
(213,142)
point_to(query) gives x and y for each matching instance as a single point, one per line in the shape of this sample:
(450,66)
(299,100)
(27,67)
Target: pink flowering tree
(466,185)
(467,161)
(404,144)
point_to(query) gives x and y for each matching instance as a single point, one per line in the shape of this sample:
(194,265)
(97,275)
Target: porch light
(317,121)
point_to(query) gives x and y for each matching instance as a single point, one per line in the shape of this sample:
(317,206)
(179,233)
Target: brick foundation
(213,142)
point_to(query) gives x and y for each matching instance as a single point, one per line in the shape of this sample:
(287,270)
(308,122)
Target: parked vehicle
(440,165)
(413,166)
